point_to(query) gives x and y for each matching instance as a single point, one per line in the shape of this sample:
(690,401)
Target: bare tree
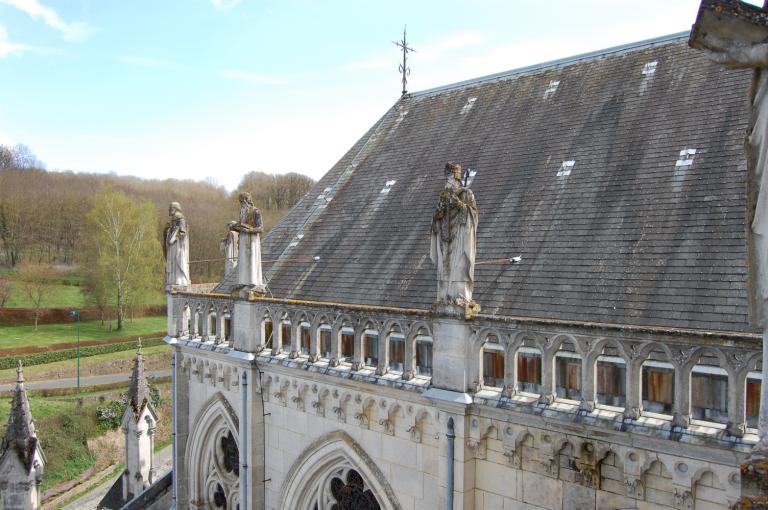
(5,291)
(35,282)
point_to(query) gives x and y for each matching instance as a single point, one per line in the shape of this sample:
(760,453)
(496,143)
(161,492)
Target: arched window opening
(424,356)
(611,381)
(305,338)
(396,352)
(325,341)
(529,369)
(227,327)
(754,383)
(347,351)
(658,385)
(568,372)
(493,364)
(371,348)
(285,335)
(268,330)
(212,325)
(709,393)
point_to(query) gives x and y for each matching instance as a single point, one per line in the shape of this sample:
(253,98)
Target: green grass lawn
(58,296)
(12,337)
(63,292)
(88,366)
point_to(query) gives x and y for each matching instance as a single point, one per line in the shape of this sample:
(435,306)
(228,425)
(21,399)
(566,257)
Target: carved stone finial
(453,244)
(19,372)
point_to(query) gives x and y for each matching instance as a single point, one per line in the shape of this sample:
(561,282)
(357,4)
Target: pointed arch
(332,456)
(207,464)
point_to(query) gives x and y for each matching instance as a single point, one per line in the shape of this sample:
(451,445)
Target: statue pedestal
(466,311)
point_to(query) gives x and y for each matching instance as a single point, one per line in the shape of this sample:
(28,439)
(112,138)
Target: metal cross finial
(403,68)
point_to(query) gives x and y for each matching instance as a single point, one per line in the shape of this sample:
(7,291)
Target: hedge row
(41,358)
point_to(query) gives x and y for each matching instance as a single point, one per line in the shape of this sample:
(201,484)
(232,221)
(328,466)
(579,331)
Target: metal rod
(451,435)
(175,474)
(244,441)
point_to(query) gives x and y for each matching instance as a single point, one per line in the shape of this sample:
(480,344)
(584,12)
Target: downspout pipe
(244,436)
(175,475)
(451,435)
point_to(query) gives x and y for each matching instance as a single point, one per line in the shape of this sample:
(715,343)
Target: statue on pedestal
(453,244)
(176,248)
(229,246)
(249,230)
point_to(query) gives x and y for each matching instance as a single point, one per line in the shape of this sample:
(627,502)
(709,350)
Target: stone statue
(453,243)
(249,229)
(176,248)
(229,246)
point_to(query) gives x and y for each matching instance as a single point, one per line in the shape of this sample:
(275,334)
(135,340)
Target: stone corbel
(319,408)
(389,426)
(299,402)
(588,466)
(362,419)
(479,428)
(551,465)
(415,432)
(282,394)
(340,414)
(683,498)
(635,487)
(513,450)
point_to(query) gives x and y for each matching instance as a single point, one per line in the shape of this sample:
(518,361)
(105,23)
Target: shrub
(42,358)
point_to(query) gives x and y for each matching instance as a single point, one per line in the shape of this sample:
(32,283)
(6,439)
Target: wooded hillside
(43,214)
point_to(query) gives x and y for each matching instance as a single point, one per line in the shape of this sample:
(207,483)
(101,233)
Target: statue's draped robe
(249,249)
(757,208)
(177,252)
(453,245)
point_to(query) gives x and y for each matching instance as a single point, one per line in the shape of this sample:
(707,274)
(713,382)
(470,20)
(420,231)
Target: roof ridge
(574,59)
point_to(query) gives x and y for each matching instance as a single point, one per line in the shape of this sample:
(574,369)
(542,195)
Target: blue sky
(216,88)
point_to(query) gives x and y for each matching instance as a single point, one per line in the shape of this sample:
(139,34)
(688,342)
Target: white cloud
(70,31)
(225,4)
(260,79)
(8,48)
(150,62)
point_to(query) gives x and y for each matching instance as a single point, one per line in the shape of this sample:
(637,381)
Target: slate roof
(636,234)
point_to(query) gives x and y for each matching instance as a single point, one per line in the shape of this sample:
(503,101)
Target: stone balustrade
(537,362)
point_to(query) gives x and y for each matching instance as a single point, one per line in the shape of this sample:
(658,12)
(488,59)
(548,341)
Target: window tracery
(223,479)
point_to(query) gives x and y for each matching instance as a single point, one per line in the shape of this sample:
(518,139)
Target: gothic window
(223,473)
(343,488)
(231,454)
(351,494)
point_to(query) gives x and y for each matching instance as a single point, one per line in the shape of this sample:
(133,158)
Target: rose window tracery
(352,494)
(223,473)
(344,488)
